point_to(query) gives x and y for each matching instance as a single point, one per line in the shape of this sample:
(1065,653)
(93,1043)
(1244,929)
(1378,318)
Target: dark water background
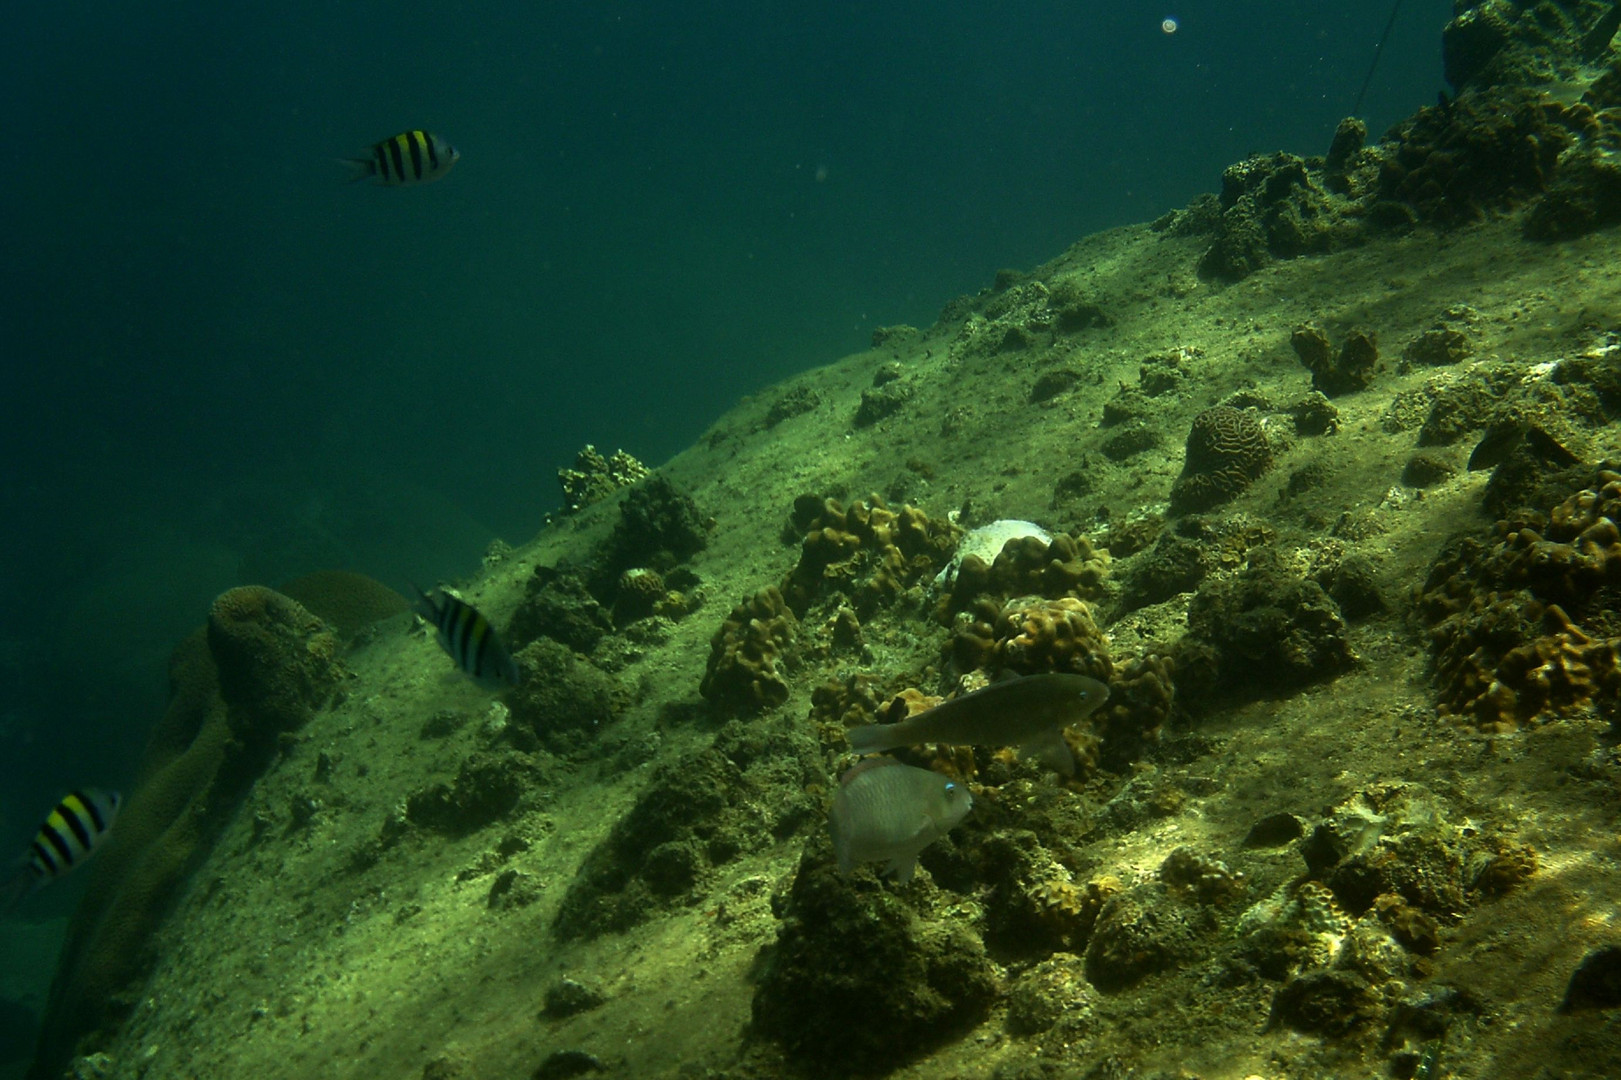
(222,364)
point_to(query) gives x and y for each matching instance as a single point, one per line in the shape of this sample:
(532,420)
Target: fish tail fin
(425,606)
(14,888)
(869,738)
(359,168)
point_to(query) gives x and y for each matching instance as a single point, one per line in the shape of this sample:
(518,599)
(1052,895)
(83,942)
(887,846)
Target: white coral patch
(986,542)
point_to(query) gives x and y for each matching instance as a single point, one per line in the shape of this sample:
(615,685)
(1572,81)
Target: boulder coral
(1030,635)
(1052,567)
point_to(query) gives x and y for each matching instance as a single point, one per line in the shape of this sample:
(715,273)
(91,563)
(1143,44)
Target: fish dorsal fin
(867,765)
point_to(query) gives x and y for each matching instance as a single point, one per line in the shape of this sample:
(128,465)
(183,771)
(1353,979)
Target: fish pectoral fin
(1051,750)
(902,867)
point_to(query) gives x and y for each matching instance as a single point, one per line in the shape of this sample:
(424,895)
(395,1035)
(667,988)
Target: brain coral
(1226,451)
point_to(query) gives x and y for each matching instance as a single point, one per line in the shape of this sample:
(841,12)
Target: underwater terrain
(1320,475)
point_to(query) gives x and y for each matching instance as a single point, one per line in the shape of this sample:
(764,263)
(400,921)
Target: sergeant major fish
(888,811)
(411,157)
(69,835)
(1029,712)
(469,639)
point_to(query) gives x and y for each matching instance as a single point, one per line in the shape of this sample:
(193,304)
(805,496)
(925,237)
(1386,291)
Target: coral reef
(595,477)
(1227,450)
(1523,628)
(485,790)
(749,655)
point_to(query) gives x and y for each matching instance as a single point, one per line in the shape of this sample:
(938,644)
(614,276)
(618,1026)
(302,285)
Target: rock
(1044,993)
(857,982)
(567,997)
(1596,982)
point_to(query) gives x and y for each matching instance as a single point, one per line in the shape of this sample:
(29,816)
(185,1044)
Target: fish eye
(951,785)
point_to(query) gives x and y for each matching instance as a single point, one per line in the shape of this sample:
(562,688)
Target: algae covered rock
(742,793)
(1273,206)
(564,701)
(558,605)
(659,525)
(1264,631)
(859,983)
(1139,932)
(486,789)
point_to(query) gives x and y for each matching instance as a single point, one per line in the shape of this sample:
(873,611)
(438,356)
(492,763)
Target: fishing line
(1378,50)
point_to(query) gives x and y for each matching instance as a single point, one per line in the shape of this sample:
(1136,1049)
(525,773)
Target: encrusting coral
(749,654)
(1525,629)
(865,551)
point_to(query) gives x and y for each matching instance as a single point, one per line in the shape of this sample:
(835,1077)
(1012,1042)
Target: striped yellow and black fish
(469,639)
(70,835)
(411,157)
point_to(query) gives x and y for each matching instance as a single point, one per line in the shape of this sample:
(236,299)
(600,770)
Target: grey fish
(1029,712)
(470,640)
(887,811)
